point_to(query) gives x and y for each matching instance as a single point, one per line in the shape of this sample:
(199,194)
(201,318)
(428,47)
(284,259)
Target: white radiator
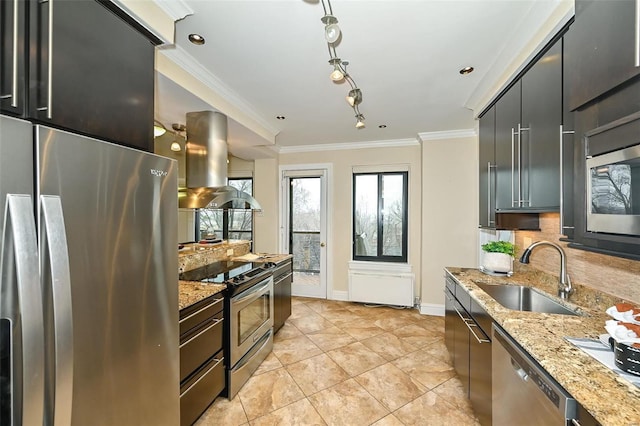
(379,286)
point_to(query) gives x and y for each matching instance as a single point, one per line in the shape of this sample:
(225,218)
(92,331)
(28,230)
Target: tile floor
(341,363)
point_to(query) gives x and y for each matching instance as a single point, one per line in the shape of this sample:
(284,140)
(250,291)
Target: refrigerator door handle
(56,280)
(22,305)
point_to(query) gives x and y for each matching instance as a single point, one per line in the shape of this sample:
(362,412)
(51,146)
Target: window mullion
(380,216)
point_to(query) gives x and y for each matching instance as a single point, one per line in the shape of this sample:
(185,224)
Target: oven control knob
(269,265)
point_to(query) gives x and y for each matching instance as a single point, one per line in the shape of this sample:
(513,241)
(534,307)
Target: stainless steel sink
(521,298)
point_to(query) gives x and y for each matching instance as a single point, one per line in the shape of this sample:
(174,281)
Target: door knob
(322,244)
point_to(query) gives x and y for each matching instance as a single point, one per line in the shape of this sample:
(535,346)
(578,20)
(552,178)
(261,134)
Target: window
(235,224)
(380,216)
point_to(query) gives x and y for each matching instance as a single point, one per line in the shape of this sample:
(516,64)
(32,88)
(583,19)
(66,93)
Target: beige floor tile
(223,412)
(295,349)
(317,373)
(321,306)
(356,358)
(453,392)
(389,322)
(347,403)
(422,366)
(271,362)
(341,316)
(299,310)
(388,346)
(287,331)
(267,392)
(310,323)
(389,420)
(298,413)
(438,350)
(361,329)
(416,335)
(432,410)
(391,386)
(330,338)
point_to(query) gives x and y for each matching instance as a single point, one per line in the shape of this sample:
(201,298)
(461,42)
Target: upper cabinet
(487,164)
(527,141)
(603,49)
(78,66)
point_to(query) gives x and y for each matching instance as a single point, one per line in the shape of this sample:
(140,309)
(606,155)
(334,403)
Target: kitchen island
(610,399)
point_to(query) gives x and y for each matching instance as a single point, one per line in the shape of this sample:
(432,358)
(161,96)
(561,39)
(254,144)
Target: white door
(304,228)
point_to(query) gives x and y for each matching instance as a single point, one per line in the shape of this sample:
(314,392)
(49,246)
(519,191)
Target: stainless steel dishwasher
(523,392)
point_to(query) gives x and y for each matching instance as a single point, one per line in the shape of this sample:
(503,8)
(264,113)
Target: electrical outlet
(229,252)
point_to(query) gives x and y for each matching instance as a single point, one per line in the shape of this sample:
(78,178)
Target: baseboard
(432,309)
(340,295)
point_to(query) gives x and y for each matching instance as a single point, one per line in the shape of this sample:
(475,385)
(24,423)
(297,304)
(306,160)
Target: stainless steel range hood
(206,166)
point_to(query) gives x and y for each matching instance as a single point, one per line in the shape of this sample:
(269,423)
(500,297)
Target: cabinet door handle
(14,60)
(521,202)
(49,105)
(637,53)
(513,160)
(489,194)
(562,133)
(469,322)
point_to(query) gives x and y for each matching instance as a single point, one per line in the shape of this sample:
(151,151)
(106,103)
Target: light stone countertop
(191,292)
(609,398)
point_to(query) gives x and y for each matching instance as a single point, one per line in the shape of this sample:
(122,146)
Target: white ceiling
(269,58)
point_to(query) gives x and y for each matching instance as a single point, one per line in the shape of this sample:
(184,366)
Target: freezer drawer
(201,389)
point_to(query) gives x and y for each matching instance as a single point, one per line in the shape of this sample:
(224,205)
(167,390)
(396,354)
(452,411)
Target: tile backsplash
(613,275)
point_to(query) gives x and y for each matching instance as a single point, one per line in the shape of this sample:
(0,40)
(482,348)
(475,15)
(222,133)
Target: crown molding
(181,58)
(447,134)
(176,9)
(392,143)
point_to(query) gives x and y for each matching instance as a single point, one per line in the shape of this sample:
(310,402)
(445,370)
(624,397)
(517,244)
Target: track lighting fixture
(158,129)
(332,35)
(354,97)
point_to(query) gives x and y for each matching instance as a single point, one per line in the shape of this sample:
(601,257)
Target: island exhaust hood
(206,166)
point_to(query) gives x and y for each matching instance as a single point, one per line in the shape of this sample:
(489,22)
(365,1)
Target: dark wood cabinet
(202,374)
(282,279)
(78,66)
(508,113)
(469,346)
(528,117)
(487,165)
(602,50)
(567,157)
(539,145)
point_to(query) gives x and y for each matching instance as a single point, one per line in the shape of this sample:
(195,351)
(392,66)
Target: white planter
(497,262)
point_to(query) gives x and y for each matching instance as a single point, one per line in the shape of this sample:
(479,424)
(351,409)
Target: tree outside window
(380,216)
(235,224)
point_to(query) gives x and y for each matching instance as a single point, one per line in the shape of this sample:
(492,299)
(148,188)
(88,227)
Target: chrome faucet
(565,289)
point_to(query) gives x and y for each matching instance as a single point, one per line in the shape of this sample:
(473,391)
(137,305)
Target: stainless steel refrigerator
(89,287)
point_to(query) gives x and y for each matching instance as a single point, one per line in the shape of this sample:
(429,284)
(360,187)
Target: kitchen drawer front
(200,391)
(283,270)
(198,346)
(192,316)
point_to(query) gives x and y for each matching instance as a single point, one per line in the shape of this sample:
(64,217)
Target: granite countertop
(191,292)
(609,398)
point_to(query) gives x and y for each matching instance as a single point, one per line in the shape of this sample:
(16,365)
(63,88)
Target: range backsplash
(613,275)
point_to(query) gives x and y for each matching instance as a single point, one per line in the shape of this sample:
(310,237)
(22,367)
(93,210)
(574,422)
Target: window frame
(225,215)
(379,257)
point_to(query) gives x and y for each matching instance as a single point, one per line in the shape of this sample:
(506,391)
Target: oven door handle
(248,294)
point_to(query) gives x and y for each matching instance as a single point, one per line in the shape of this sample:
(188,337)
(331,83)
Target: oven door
(613,192)
(251,317)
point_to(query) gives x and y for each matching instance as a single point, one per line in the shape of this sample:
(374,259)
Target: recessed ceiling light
(466,70)
(382,126)
(280,117)
(196,39)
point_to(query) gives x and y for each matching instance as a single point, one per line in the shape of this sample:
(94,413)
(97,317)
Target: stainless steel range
(248,312)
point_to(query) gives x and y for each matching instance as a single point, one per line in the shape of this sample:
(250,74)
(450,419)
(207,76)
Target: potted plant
(498,257)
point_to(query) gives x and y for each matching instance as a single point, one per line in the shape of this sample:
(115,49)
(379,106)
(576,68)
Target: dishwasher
(523,392)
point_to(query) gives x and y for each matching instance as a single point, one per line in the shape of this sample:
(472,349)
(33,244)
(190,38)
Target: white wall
(449,213)
(343,162)
(265,190)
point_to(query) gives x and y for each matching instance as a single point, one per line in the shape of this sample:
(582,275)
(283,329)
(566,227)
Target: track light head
(354,97)
(360,121)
